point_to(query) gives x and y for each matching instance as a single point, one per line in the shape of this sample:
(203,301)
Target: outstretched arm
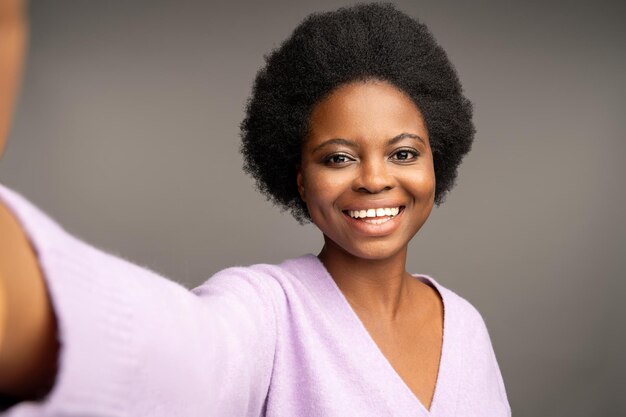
(28,347)
(130,341)
(28,344)
(127,341)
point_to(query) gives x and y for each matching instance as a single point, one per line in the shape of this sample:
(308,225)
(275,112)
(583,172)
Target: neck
(372,286)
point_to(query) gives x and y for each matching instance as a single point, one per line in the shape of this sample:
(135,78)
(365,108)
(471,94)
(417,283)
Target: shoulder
(459,312)
(262,274)
(468,341)
(270,281)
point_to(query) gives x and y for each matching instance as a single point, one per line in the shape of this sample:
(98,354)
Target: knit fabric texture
(265,340)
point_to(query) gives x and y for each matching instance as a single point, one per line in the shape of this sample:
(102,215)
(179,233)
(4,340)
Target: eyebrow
(352,144)
(401,136)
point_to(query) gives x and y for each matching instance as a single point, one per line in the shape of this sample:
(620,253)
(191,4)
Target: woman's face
(366,172)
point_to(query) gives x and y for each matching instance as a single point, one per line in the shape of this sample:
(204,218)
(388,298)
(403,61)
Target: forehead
(366,109)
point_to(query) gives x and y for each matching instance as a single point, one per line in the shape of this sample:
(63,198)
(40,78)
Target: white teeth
(379,212)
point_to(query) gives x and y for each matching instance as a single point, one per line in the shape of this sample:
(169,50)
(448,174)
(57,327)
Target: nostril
(373,181)
(374,190)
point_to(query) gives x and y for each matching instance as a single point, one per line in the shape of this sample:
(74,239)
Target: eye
(405,155)
(338,159)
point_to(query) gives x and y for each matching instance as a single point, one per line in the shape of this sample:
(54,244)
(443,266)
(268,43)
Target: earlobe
(300,182)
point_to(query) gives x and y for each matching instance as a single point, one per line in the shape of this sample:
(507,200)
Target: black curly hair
(366,41)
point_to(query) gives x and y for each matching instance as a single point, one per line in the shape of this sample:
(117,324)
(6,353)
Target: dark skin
(368,148)
(28,344)
(383,161)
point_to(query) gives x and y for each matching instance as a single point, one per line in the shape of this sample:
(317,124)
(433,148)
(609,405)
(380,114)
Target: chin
(377,254)
(371,251)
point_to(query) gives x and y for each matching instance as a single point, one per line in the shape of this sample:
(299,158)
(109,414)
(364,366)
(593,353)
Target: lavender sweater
(265,340)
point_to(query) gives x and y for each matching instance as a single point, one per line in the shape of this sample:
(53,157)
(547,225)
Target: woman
(358,124)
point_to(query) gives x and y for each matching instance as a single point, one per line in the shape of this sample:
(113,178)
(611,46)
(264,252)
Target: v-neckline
(443,387)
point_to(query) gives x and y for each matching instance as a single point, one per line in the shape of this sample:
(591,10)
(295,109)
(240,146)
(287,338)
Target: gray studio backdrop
(127,133)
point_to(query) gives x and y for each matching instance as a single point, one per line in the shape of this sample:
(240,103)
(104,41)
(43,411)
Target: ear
(300,181)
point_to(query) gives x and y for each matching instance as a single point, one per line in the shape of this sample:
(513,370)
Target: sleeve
(136,344)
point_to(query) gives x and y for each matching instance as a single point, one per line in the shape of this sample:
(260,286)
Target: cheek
(322,190)
(429,185)
(428,180)
(320,185)
(422,185)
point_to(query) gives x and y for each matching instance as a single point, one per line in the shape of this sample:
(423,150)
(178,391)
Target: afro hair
(366,41)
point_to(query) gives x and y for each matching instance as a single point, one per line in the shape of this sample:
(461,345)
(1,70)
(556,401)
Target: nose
(373,177)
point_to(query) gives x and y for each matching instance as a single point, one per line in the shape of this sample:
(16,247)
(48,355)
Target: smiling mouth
(374,215)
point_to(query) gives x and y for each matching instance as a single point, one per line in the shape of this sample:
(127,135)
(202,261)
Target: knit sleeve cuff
(94,320)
